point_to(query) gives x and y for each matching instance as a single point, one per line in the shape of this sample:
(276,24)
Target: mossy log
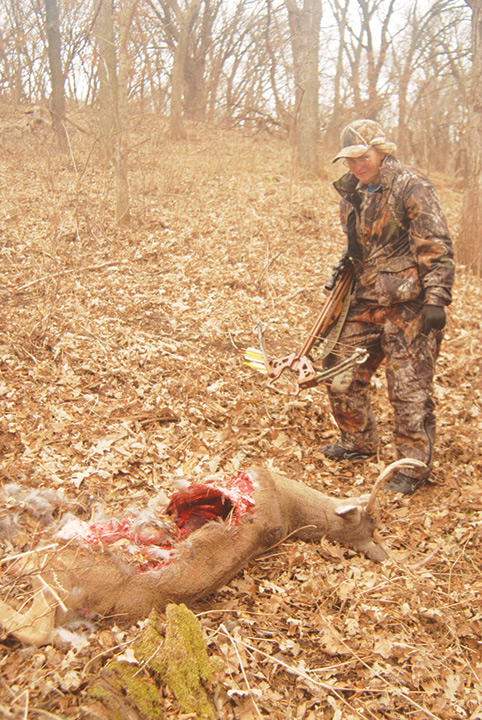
(175,657)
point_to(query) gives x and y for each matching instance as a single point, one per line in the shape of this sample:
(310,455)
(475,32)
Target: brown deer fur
(72,581)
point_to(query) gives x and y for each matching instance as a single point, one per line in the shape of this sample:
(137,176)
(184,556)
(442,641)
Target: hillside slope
(121,355)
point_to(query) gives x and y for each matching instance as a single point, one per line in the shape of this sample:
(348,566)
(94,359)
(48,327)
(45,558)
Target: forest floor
(121,356)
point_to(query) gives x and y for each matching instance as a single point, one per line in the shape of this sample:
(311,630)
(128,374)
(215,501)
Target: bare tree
(229,39)
(340,11)
(195,92)
(375,58)
(408,70)
(304,24)
(407,56)
(23,56)
(185,20)
(367,58)
(244,58)
(360,60)
(188,49)
(469,247)
(430,70)
(127,10)
(251,63)
(55,63)
(107,76)
(113,92)
(151,58)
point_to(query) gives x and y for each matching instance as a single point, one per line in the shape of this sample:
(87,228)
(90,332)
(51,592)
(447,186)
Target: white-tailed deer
(93,578)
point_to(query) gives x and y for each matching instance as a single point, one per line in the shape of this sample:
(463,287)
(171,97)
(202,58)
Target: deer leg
(34,627)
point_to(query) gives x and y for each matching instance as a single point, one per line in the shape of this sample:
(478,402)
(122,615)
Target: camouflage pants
(391,334)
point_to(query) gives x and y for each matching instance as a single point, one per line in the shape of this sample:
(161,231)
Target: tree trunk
(127,9)
(195,88)
(179,69)
(113,91)
(56,75)
(195,101)
(304,29)
(107,74)
(332,135)
(469,247)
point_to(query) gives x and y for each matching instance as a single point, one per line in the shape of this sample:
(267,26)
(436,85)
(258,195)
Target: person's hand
(433,318)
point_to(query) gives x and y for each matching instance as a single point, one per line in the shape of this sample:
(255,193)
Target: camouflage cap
(358,137)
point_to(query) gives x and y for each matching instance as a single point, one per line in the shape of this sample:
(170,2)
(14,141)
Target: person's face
(367,167)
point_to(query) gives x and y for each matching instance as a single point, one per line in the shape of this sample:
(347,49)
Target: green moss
(122,687)
(179,660)
(139,689)
(107,704)
(148,645)
(187,664)
(106,690)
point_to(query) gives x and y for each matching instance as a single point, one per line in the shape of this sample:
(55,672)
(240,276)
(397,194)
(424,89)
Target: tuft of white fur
(40,503)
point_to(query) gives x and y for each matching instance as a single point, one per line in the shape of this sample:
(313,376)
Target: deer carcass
(218,530)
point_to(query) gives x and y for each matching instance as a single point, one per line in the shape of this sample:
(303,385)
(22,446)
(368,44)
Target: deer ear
(347,510)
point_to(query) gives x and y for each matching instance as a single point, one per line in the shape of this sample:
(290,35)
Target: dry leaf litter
(121,354)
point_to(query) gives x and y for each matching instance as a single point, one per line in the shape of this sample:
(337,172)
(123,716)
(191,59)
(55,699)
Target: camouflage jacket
(397,237)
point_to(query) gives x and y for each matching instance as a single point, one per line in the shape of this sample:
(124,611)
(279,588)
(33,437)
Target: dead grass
(121,366)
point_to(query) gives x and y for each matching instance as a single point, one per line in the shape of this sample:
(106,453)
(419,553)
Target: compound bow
(326,327)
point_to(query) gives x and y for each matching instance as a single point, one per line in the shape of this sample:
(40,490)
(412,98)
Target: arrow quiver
(327,327)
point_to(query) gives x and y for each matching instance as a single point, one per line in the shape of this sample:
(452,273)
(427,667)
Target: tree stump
(175,657)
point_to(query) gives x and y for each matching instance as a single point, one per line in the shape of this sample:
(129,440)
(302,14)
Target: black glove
(433,318)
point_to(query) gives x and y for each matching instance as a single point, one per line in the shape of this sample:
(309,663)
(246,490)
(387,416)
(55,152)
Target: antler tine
(403,462)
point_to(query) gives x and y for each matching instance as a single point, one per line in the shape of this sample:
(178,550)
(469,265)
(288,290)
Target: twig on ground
(68,272)
(225,631)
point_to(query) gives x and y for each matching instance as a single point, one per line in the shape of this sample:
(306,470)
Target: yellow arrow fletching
(256,367)
(254,353)
(254,358)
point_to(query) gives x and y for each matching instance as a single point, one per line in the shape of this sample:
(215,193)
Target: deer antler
(388,472)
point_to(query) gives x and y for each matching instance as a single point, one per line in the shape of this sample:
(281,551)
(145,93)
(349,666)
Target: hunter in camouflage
(400,248)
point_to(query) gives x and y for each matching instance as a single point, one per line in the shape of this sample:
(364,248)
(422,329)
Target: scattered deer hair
(206,535)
